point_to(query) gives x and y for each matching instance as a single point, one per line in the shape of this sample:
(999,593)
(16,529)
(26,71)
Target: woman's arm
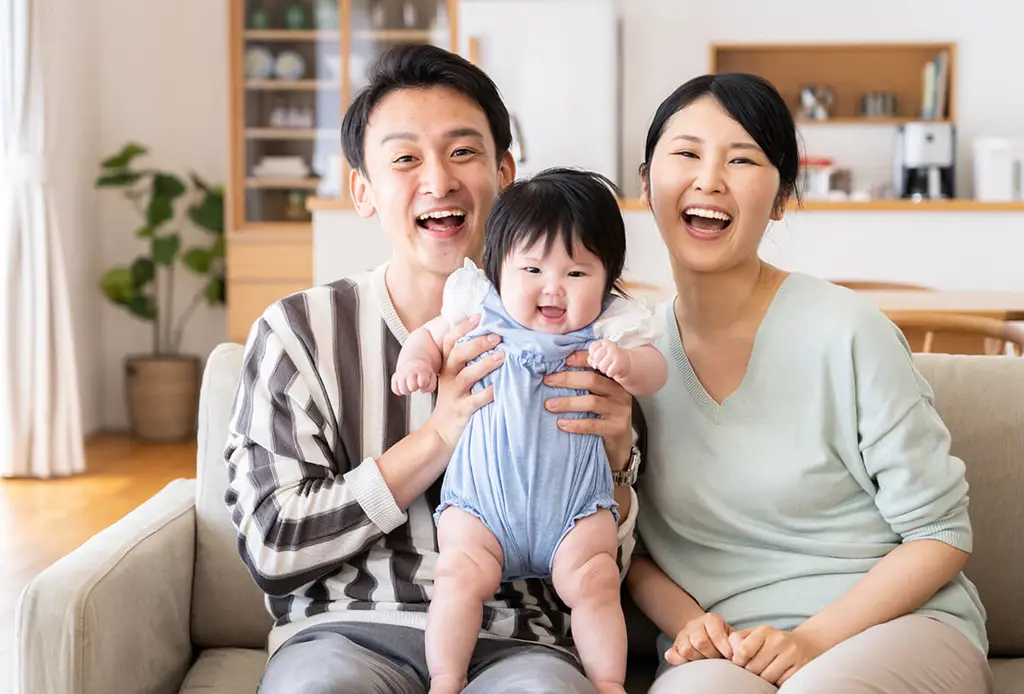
(897,585)
(666,604)
(918,487)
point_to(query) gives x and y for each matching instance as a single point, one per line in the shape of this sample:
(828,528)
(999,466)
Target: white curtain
(40,416)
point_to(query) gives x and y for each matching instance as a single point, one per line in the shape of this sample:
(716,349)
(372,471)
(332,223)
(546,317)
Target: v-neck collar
(711,408)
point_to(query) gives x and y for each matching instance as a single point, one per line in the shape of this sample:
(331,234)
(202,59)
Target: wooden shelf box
(849,70)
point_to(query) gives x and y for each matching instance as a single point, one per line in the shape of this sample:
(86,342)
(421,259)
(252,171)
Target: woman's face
(711,188)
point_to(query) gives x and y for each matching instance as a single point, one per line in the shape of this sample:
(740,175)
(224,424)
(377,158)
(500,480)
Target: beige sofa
(159,602)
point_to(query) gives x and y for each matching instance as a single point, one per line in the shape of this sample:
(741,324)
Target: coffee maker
(923,160)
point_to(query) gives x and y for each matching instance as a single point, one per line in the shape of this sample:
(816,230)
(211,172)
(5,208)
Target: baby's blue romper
(514,469)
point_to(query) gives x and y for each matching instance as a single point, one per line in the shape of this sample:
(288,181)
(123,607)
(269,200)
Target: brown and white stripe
(317,526)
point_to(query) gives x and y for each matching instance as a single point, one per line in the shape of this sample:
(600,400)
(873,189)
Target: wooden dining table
(1008,306)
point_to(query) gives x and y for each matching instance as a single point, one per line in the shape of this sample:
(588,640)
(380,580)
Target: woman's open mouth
(442,224)
(706,222)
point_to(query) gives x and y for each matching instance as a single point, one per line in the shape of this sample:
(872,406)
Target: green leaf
(142,307)
(125,156)
(143,272)
(145,232)
(117,285)
(214,291)
(217,250)
(198,260)
(160,211)
(165,249)
(167,186)
(209,213)
(118,180)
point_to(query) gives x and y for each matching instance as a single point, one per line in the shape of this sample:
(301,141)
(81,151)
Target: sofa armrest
(113,615)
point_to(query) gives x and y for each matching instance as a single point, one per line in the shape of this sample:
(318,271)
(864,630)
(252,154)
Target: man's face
(432,174)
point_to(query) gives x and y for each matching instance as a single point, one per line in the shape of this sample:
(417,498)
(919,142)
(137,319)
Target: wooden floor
(41,521)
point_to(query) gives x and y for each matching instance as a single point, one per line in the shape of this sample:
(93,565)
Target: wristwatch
(626,477)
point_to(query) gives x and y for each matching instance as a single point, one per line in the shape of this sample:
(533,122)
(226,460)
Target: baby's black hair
(558,203)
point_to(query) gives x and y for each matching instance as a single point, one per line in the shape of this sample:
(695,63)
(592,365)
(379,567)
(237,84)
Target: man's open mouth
(442,221)
(706,220)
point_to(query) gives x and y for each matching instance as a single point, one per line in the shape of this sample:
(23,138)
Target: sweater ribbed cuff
(374,496)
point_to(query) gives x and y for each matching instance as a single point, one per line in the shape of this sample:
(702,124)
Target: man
(333,479)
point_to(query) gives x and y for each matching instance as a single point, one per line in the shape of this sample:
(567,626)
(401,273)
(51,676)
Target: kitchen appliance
(923,160)
(999,169)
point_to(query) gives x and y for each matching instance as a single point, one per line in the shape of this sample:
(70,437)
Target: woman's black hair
(751,101)
(558,203)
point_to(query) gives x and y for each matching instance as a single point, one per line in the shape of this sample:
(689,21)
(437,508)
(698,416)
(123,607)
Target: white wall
(71,109)
(162,81)
(666,42)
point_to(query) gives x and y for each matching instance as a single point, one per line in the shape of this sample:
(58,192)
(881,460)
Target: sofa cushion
(225,671)
(227,605)
(981,400)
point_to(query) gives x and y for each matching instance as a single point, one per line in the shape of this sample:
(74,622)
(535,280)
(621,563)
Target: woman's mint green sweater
(830,454)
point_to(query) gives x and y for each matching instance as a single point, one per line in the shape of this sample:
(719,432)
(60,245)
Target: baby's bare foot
(447,684)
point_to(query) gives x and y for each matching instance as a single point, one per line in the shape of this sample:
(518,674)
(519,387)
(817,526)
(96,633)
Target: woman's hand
(455,400)
(706,637)
(608,400)
(774,655)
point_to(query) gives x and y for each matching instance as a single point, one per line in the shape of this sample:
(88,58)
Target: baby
(521,498)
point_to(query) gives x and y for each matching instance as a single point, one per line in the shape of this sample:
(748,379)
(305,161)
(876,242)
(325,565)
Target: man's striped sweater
(318,528)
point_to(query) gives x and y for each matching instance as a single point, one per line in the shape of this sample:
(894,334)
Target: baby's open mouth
(551,312)
(706,220)
(441,220)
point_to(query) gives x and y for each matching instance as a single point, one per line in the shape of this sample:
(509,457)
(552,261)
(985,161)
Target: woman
(799,484)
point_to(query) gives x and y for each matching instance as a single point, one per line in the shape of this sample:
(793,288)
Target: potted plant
(162,387)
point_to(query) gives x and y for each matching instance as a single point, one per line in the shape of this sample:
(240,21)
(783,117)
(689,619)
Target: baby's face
(553,292)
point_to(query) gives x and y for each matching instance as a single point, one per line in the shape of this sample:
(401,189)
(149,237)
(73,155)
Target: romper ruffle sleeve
(464,293)
(628,323)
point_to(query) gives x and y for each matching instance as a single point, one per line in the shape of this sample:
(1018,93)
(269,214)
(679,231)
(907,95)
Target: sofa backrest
(981,400)
(227,606)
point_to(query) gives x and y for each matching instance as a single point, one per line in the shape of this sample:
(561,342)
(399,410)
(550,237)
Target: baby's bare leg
(586,577)
(468,573)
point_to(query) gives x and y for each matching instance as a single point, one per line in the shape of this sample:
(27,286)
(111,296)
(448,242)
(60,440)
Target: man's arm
(302,505)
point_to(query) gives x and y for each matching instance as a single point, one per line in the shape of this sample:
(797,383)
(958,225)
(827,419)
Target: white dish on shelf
(289,66)
(259,63)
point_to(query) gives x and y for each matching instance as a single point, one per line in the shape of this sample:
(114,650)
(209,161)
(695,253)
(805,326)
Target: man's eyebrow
(451,135)
(464,132)
(732,145)
(399,136)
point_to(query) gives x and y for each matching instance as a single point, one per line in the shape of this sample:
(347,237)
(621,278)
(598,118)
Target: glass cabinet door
(297,64)
(291,106)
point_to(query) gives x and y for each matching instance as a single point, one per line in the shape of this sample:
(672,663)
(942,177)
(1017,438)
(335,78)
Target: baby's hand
(610,359)
(413,376)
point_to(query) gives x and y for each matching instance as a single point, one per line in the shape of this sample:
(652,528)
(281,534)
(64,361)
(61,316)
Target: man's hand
(455,400)
(706,637)
(413,376)
(607,399)
(610,359)
(774,655)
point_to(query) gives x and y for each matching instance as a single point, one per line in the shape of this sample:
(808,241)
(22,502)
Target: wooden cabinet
(295,66)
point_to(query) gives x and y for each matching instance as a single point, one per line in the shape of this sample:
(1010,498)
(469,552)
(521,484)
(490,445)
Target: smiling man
(333,479)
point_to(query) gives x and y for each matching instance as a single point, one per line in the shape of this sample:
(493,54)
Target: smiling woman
(802,512)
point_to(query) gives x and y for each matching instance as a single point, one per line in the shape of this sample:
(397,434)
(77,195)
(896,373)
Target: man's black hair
(558,203)
(421,66)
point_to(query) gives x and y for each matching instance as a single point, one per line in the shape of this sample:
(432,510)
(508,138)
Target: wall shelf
(283,183)
(292,35)
(289,133)
(849,70)
(291,85)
